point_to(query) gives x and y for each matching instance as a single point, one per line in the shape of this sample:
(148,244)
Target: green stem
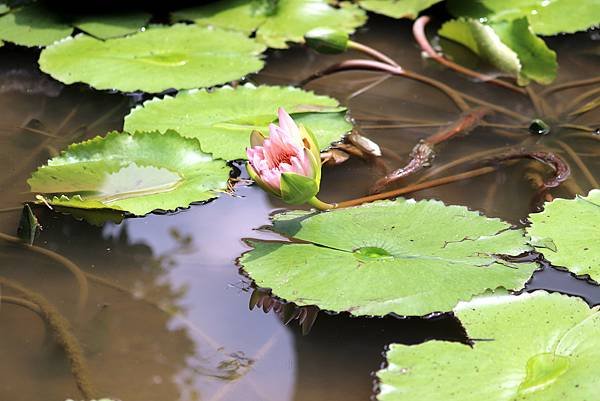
(320,205)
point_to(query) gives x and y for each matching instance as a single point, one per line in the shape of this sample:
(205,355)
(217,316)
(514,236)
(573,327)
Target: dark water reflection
(173,322)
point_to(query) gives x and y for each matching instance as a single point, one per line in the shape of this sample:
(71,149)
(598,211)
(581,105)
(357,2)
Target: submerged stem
(61,328)
(320,205)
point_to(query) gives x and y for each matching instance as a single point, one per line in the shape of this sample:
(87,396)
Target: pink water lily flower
(287,163)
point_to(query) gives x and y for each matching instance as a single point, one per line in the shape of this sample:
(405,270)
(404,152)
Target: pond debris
(29,226)
(288,311)
(539,127)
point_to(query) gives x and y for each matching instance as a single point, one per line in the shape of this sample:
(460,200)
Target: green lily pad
(132,173)
(531,347)
(33,25)
(223,119)
(567,232)
(160,58)
(402,257)
(287,21)
(510,46)
(111,25)
(4,9)
(397,8)
(547,17)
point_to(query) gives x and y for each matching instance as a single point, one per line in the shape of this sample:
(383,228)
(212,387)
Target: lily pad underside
(567,232)
(531,347)
(402,257)
(223,119)
(131,173)
(279,23)
(160,58)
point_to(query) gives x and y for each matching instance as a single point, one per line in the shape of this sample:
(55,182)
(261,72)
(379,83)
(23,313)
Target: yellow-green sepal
(297,189)
(256,178)
(310,141)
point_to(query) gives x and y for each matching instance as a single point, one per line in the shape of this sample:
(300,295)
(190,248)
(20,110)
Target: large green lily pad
(131,173)
(510,46)
(531,347)
(402,257)
(275,25)
(397,8)
(567,232)
(160,58)
(223,119)
(547,17)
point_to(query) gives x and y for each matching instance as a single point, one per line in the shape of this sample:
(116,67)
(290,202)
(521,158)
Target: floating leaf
(509,46)
(223,119)
(547,17)
(4,9)
(133,173)
(402,256)
(180,57)
(531,347)
(287,21)
(32,26)
(567,232)
(112,25)
(397,8)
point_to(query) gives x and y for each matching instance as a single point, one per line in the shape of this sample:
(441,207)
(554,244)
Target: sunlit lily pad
(223,119)
(547,17)
(402,257)
(132,173)
(179,56)
(531,347)
(509,46)
(32,26)
(397,8)
(275,25)
(567,232)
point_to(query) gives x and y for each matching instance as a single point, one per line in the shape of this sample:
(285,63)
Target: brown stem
(417,187)
(422,153)
(421,38)
(72,267)
(495,107)
(573,103)
(573,155)
(570,85)
(60,326)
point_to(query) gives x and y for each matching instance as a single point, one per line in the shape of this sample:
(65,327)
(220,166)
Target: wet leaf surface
(397,8)
(160,58)
(402,257)
(133,173)
(275,26)
(567,232)
(530,347)
(223,119)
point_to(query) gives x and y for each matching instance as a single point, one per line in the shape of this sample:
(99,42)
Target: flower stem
(320,205)
(369,51)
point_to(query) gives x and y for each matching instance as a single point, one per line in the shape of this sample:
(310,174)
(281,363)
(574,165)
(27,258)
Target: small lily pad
(223,119)
(106,26)
(402,257)
(531,347)
(547,17)
(567,232)
(397,8)
(285,21)
(132,173)
(160,58)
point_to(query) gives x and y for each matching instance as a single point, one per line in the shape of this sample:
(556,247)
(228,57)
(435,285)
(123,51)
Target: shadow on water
(167,316)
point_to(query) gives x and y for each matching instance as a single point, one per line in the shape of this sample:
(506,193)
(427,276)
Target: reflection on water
(167,316)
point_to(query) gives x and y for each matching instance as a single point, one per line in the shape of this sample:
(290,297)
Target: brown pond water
(175,323)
